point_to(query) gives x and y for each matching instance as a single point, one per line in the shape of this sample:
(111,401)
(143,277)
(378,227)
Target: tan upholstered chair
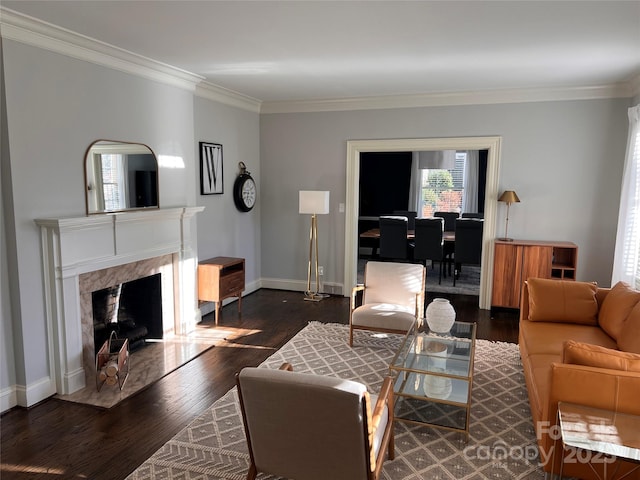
(312,427)
(392,298)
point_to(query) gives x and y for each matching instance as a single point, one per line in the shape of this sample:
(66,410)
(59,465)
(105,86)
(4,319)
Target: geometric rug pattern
(501,443)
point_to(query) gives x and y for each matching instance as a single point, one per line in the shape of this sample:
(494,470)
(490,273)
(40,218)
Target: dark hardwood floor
(62,440)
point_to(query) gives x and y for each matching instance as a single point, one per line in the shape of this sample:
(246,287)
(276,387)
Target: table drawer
(231,283)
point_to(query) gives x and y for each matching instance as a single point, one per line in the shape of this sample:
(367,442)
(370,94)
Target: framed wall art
(211,169)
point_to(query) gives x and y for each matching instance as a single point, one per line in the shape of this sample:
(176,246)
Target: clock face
(244,193)
(249,193)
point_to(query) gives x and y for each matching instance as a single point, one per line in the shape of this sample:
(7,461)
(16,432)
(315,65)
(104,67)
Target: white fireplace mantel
(76,245)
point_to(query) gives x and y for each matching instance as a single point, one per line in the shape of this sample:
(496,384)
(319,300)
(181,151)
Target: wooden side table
(220,278)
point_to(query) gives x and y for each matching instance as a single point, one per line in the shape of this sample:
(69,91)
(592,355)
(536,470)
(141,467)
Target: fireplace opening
(132,309)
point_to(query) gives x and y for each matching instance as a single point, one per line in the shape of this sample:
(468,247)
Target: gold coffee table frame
(432,368)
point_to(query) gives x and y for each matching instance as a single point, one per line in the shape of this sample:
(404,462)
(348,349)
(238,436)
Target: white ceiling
(310,50)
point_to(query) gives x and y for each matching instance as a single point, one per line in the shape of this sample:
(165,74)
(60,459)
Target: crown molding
(452,99)
(31,31)
(229,97)
(634,86)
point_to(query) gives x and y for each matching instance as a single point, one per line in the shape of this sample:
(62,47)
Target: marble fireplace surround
(113,276)
(83,254)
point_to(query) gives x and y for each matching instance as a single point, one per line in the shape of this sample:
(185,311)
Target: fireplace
(131,310)
(84,255)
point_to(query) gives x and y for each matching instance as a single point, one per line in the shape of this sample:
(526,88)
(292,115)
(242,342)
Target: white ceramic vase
(440,315)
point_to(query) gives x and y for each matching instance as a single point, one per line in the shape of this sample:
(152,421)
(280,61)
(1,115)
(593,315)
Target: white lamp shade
(313,201)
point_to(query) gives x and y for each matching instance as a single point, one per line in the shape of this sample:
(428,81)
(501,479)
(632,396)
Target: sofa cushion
(616,308)
(579,353)
(549,337)
(629,340)
(562,301)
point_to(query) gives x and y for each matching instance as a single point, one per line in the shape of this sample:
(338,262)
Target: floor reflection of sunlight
(7,467)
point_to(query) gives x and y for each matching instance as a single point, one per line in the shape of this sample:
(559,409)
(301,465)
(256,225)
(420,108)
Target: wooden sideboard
(220,278)
(516,261)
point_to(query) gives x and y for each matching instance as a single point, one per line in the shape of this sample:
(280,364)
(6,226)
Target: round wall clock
(244,190)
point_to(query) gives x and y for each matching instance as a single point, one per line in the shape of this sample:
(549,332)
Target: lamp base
(314,297)
(506,239)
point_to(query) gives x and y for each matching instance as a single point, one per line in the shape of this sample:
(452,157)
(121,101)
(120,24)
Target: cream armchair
(392,298)
(312,427)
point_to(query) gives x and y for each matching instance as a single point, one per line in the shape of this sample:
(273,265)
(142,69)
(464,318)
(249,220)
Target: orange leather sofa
(579,344)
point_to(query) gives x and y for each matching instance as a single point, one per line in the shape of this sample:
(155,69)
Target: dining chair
(314,427)
(468,245)
(429,241)
(472,215)
(411,217)
(449,220)
(393,238)
(449,226)
(390,299)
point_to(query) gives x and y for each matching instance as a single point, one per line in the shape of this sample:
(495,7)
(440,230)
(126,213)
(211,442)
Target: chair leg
(350,336)
(440,277)
(253,472)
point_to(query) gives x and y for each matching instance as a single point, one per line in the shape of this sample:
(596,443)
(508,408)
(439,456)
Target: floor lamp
(313,203)
(508,197)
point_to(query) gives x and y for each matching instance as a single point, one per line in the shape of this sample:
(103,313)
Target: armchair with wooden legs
(392,298)
(313,427)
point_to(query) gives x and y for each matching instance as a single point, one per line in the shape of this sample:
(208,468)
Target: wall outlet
(320,270)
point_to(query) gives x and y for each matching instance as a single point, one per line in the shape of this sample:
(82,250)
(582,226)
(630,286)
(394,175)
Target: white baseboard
(301,286)
(8,398)
(35,392)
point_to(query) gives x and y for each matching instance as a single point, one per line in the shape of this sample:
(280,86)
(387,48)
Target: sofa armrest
(604,388)
(524,302)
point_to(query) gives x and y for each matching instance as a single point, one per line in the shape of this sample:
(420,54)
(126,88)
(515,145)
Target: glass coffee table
(433,376)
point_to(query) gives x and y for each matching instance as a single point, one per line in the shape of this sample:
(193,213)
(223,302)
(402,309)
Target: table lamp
(508,197)
(314,203)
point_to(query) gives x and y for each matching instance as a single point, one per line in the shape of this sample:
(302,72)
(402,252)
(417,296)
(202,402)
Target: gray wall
(564,159)
(56,107)
(222,229)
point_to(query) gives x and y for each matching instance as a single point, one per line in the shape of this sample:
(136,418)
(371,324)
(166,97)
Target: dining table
(448,236)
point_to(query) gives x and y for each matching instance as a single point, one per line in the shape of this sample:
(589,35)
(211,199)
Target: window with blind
(626,264)
(442,189)
(636,209)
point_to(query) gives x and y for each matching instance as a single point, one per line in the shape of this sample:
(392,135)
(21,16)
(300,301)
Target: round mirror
(120,176)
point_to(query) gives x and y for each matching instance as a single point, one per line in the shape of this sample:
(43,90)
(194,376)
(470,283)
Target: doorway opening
(356,147)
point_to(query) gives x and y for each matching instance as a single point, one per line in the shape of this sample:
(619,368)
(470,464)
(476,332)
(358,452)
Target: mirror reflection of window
(113,179)
(120,176)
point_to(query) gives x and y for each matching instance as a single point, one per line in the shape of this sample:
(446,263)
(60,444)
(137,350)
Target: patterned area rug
(501,443)
(468,282)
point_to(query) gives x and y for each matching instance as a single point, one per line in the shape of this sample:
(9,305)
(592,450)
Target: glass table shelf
(433,376)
